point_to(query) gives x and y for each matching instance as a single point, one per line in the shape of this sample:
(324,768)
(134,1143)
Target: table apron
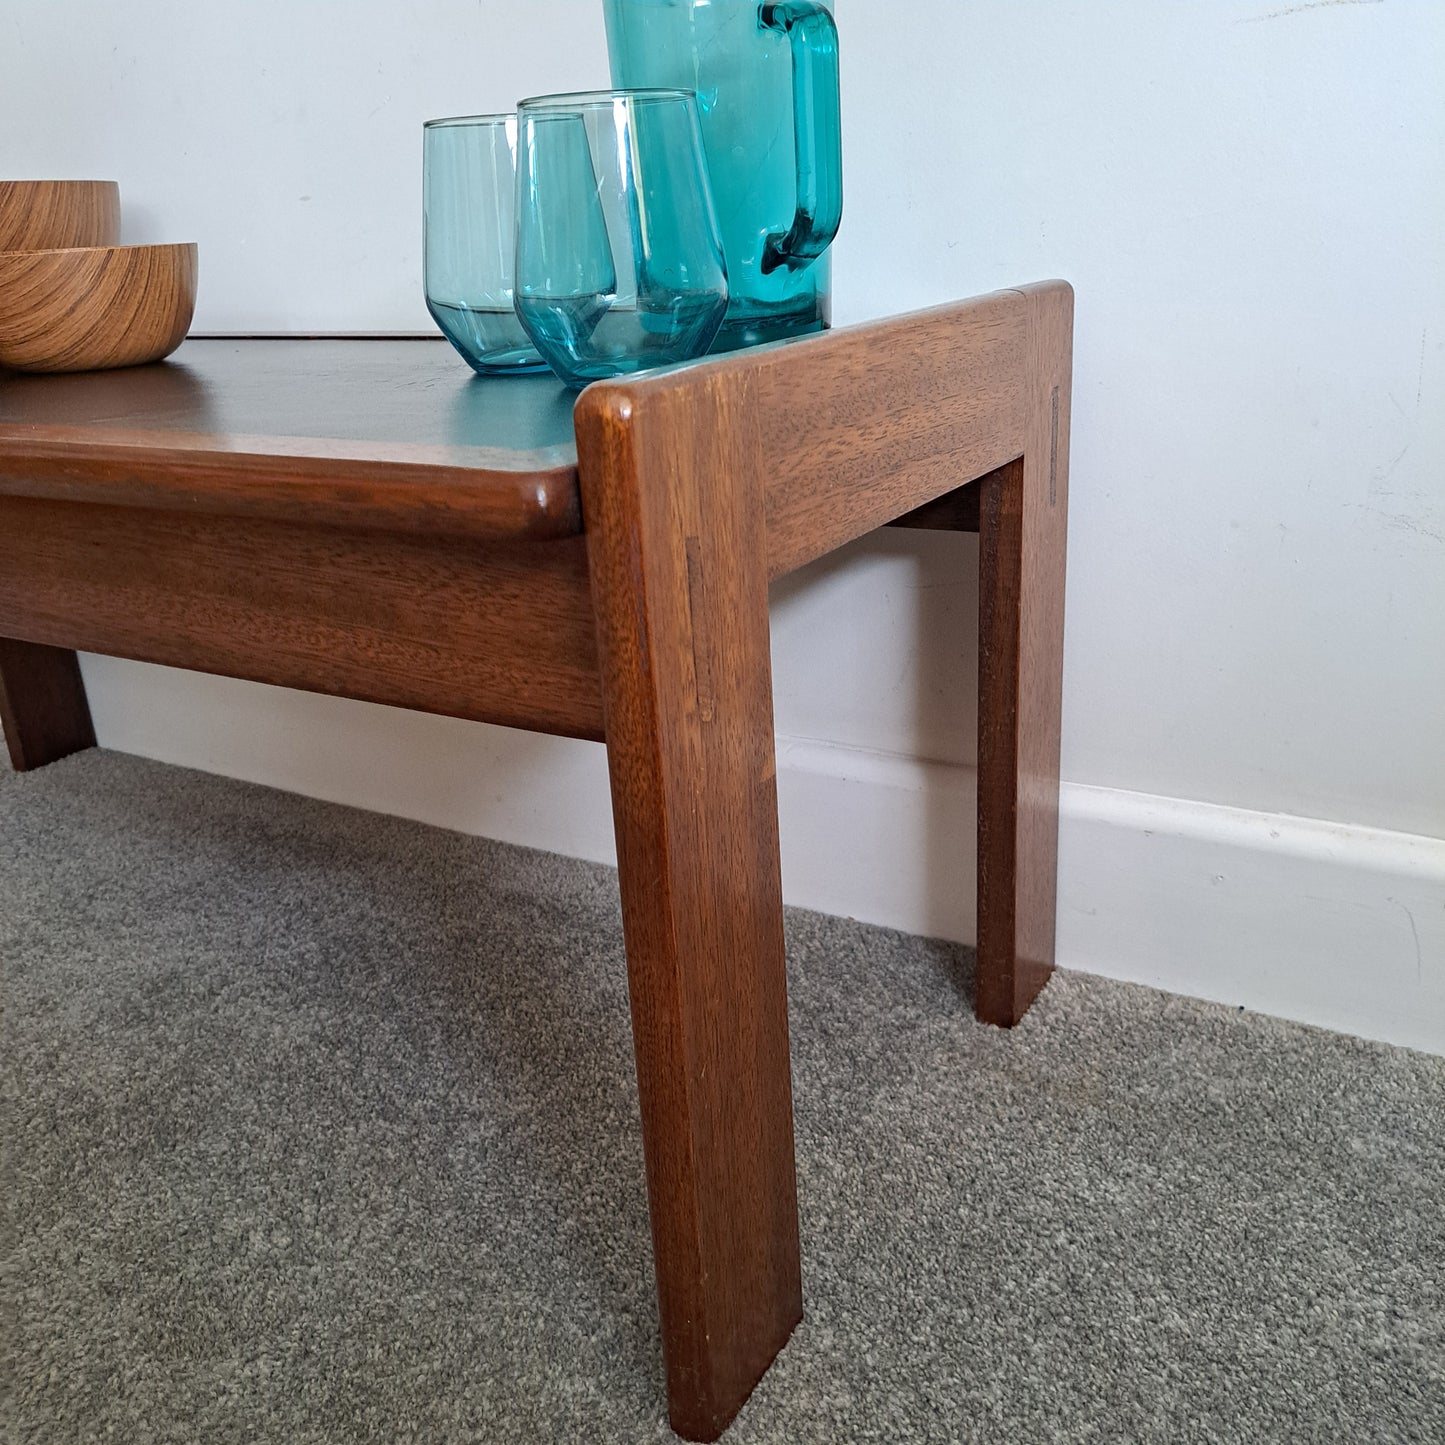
(500,633)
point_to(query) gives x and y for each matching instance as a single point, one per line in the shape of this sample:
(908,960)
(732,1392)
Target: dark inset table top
(394,434)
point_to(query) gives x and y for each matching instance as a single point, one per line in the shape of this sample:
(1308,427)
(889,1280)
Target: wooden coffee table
(363,518)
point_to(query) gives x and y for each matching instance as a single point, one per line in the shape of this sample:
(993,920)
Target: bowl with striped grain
(91,308)
(44,215)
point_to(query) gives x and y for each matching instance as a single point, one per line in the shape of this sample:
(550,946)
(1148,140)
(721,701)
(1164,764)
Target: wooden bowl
(96,307)
(45,215)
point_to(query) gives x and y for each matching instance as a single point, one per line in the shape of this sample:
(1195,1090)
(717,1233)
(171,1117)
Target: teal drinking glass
(766,79)
(619,259)
(469,200)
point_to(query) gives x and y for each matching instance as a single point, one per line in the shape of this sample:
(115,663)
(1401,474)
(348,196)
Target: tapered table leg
(42,704)
(1022,535)
(672,493)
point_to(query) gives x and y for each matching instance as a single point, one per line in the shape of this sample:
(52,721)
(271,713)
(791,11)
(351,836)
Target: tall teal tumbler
(469,186)
(766,79)
(619,261)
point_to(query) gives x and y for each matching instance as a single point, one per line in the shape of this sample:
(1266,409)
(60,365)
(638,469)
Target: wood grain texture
(496,633)
(863,425)
(1023,537)
(47,215)
(395,436)
(43,710)
(94,308)
(673,481)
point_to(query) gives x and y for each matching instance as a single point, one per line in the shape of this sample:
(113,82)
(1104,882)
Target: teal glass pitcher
(766,77)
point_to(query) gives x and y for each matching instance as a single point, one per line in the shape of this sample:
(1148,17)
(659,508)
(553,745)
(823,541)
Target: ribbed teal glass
(766,78)
(469,199)
(619,261)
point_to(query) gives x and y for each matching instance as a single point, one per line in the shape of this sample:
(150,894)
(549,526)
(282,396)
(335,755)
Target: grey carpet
(321,1126)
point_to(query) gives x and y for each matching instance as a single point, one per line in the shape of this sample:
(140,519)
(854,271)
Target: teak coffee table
(363,518)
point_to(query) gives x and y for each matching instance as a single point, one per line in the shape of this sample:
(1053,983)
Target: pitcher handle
(814,38)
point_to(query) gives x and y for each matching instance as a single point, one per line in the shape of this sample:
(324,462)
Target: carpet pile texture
(320,1126)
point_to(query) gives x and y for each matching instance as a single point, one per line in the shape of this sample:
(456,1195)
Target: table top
(399,432)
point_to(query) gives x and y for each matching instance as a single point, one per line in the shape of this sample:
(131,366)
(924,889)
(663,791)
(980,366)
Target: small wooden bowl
(96,307)
(46,215)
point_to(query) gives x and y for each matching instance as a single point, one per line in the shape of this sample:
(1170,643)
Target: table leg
(1022,534)
(672,497)
(42,704)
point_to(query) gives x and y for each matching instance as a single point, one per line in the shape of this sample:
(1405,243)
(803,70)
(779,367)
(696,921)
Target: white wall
(1250,201)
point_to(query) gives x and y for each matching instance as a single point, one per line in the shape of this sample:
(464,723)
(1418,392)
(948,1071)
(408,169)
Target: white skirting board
(1328,923)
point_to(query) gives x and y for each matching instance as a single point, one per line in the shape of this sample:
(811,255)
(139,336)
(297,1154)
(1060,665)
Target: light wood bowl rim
(29,181)
(97,250)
